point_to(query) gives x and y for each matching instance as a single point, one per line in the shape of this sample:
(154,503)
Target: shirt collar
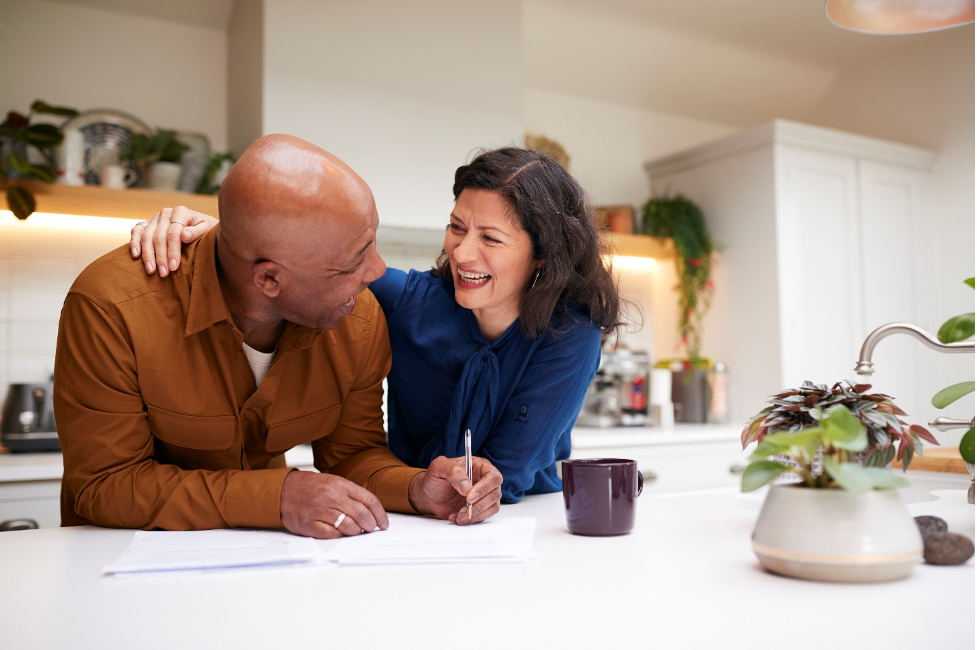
(207,304)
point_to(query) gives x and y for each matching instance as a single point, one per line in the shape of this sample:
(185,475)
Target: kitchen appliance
(618,396)
(27,419)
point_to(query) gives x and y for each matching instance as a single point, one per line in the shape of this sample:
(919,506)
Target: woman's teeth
(474,278)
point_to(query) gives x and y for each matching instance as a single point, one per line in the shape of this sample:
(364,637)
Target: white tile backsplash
(32,337)
(34,304)
(41,274)
(25,369)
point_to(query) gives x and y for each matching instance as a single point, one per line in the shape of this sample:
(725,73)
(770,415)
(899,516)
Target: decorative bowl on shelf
(106,132)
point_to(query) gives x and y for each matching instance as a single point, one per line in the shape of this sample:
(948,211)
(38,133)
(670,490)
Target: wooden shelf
(639,245)
(938,459)
(94,201)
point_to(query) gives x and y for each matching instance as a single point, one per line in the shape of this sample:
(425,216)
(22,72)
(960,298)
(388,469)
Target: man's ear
(267,276)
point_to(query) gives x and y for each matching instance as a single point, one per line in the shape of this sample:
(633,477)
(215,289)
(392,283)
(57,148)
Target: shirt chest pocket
(285,435)
(192,442)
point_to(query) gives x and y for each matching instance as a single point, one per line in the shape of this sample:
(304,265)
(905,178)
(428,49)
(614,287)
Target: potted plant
(797,408)
(156,157)
(218,166)
(17,137)
(838,521)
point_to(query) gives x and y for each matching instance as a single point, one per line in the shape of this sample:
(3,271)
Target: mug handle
(641,484)
(131,176)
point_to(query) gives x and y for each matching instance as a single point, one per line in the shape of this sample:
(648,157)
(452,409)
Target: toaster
(27,419)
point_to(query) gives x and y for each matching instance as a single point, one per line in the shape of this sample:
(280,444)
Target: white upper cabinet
(825,236)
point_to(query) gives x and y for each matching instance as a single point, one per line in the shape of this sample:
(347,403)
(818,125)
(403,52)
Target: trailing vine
(682,220)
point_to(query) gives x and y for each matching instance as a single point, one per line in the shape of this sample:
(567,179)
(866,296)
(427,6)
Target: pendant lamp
(899,16)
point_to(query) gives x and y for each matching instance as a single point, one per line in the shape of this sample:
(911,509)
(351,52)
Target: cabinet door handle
(736,468)
(18,524)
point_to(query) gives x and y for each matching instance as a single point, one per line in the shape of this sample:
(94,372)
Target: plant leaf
(43,136)
(958,328)
(883,479)
(759,473)
(20,201)
(843,430)
(40,106)
(848,476)
(924,433)
(42,173)
(951,394)
(784,442)
(969,282)
(967,442)
(20,165)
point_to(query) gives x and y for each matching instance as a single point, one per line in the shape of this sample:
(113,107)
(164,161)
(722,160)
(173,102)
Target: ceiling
(795,29)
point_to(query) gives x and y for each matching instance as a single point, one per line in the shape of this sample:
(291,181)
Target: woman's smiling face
(491,259)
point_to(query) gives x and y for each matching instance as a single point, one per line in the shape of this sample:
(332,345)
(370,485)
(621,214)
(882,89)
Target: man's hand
(312,502)
(444,490)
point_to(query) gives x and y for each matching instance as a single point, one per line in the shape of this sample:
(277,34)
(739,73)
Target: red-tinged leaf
(16,120)
(811,400)
(924,433)
(861,388)
(792,408)
(902,450)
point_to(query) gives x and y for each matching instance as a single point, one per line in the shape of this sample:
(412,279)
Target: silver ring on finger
(339,519)
(183,225)
(144,224)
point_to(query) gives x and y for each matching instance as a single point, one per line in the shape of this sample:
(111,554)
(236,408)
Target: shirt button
(523,409)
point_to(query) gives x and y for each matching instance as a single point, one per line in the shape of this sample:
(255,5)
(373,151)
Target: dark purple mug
(599,495)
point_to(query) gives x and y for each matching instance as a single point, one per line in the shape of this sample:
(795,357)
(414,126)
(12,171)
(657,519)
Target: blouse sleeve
(534,431)
(389,289)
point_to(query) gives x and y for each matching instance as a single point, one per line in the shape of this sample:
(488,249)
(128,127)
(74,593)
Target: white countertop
(48,465)
(685,578)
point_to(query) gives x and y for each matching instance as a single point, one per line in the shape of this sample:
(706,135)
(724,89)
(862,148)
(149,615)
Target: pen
(468,463)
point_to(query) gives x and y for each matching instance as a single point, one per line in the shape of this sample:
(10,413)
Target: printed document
(421,540)
(156,551)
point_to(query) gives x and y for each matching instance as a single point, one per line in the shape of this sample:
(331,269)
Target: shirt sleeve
(389,289)
(108,447)
(357,448)
(534,431)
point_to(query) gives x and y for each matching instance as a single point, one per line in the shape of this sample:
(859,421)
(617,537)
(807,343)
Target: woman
(502,336)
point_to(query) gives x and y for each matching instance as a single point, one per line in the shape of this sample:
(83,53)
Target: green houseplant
(796,409)
(840,521)
(162,149)
(682,220)
(17,137)
(958,328)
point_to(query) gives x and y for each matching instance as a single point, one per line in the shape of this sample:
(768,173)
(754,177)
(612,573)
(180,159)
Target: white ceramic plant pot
(836,536)
(165,175)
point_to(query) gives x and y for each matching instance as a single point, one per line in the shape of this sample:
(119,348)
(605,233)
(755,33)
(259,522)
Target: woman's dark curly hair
(554,211)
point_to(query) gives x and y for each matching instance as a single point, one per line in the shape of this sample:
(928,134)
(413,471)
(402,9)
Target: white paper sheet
(420,540)
(168,551)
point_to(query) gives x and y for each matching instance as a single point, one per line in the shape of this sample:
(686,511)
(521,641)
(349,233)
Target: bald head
(284,193)
(297,235)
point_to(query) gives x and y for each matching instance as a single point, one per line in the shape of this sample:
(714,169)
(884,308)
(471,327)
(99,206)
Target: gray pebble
(929,525)
(947,549)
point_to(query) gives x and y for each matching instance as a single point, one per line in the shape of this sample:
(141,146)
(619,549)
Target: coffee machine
(618,395)
(27,419)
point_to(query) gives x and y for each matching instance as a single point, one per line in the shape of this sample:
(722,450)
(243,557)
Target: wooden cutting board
(938,459)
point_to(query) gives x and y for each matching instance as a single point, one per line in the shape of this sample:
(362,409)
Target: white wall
(925,96)
(402,92)
(168,74)
(608,144)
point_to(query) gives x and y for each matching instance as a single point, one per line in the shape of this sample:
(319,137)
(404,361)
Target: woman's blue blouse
(519,397)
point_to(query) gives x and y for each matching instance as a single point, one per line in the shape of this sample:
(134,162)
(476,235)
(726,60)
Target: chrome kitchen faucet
(865,367)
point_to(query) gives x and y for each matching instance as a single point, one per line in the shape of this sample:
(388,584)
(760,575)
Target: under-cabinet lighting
(68,222)
(632,263)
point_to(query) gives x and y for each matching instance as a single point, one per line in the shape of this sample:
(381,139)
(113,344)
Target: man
(177,397)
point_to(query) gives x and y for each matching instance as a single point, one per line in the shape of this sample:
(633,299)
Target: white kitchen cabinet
(824,236)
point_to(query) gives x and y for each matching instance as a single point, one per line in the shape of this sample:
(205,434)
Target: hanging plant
(682,220)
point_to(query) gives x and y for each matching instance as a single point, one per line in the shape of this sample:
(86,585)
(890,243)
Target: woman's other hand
(160,239)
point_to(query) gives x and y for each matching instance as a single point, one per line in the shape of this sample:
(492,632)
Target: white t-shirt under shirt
(259,361)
